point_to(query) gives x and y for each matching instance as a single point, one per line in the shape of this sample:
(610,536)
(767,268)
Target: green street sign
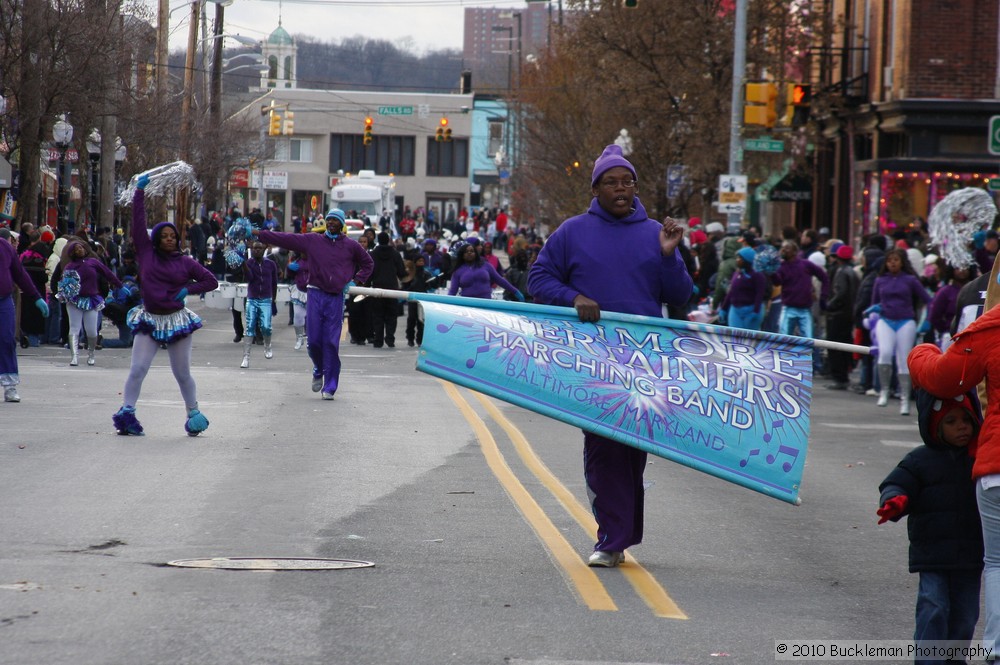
(993,185)
(763,145)
(994,138)
(395,110)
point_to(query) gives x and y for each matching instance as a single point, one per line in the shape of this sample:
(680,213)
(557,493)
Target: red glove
(893,508)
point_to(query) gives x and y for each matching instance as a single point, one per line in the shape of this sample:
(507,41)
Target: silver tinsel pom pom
(162,180)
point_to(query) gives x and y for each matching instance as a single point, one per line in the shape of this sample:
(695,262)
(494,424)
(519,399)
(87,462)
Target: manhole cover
(243,563)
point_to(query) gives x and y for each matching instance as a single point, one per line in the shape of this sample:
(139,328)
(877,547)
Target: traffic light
(443,132)
(798,97)
(288,128)
(760,101)
(273,123)
(368,131)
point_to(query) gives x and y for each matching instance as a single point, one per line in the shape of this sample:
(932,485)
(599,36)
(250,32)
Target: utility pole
(212,180)
(736,116)
(182,202)
(189,82)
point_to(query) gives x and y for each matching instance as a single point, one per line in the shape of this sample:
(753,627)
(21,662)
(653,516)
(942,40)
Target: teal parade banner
(731,403)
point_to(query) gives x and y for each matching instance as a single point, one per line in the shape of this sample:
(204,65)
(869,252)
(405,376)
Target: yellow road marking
(641,580)
(582,578)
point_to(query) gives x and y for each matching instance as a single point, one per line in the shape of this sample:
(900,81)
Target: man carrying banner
(612,257)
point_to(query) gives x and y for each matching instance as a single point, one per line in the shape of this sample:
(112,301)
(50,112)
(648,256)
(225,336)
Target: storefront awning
(485,177)
(793,188)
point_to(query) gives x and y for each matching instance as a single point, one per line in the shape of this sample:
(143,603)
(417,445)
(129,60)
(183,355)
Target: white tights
(896,343)
(144,349)
(87,316)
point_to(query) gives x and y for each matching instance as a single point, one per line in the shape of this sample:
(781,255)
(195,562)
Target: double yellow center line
(581,578)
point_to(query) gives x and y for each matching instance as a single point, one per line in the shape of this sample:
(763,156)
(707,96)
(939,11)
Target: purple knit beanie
(610,158)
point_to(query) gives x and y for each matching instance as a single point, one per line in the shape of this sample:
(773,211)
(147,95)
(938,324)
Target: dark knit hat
(158,231)
(382,238)
(610,158)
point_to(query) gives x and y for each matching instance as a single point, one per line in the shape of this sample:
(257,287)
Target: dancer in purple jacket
(166,277)
(335,263)
(613,257)
(85,300)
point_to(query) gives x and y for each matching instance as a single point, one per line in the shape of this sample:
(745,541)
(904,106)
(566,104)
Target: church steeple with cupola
(280,54)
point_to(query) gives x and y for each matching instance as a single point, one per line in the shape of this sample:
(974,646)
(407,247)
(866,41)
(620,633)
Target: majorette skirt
(87,303)
(165,328)
(296,296)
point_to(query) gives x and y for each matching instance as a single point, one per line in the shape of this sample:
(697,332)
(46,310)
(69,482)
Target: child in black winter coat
(933,486)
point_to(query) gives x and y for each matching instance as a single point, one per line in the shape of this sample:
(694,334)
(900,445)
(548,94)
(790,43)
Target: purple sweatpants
(8,341)
(324,322)
(613,472)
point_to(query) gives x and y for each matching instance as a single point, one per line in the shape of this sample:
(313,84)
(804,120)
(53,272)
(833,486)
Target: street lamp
(258,58)
(120,153)
(62,133)
(94,150)
(624,141)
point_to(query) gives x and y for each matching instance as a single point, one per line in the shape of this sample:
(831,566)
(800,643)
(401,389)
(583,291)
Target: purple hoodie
(616,262)
(162,276)
(12,272)
(332,264)
(90,269)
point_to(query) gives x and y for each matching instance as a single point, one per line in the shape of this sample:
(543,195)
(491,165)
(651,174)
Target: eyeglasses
(613,184)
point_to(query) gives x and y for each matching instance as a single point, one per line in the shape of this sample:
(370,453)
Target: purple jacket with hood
(616,262)
(161,275)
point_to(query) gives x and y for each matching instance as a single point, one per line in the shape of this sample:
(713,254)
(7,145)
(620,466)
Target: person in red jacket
(970,359)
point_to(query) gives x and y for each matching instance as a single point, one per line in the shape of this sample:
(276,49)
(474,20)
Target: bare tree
(662,71)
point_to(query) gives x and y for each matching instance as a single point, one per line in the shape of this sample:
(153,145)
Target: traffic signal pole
(736,116)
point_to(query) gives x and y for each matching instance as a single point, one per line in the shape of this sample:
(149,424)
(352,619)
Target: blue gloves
(181,295)
(43,307)
(142,181)
(518,295)
(348,287)
(294,265)
(874,309)
(724,316)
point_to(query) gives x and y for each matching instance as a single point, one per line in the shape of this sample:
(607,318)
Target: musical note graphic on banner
(753,452)
(471,362)
(442,328)
(768,435)
(785,450)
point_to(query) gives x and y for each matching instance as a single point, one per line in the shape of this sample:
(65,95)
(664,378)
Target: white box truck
(366,193)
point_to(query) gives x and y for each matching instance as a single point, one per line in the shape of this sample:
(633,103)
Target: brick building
(904,97)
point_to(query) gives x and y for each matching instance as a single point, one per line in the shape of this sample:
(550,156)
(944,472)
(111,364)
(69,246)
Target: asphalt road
(473,511)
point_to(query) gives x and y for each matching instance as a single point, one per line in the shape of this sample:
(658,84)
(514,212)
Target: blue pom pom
(196,423)
(241,230)
(767,261)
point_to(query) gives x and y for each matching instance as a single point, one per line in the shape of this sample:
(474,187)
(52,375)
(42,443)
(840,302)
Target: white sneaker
(246,362)
(268,353)
(298,342)
(10,394)
(327,395)
(601,559)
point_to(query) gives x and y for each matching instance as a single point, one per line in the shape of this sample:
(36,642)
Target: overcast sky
(431,24)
